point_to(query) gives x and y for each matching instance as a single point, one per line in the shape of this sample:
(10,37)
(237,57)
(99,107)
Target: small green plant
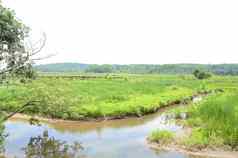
(161,136)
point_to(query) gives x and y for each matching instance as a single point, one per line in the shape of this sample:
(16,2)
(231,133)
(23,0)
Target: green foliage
(218,117)
(99,69)
(197,139)
(102,97)
(99,97)
(161,136)
(201,74)
(13,56)
(62,67)
(12,49)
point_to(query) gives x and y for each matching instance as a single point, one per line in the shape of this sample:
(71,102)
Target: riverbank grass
(212,122)
(161,137)
(218,123)
(75,99)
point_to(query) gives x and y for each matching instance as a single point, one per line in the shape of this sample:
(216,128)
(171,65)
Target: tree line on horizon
(219,69)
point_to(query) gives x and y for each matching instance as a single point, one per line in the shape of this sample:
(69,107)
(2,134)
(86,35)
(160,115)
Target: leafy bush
(201,75)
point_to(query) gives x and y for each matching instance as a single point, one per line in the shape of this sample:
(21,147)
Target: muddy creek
(124,138)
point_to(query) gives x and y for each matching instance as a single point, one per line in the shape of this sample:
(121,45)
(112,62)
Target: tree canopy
(14,57)
(201,74)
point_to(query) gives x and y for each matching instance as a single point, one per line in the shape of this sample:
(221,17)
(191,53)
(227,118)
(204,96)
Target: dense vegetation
(213,121)
(104,97)
(220,69)
(14,57)
(201,74)
(99,97)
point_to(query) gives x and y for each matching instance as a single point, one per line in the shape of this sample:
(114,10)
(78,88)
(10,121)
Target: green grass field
(133,95)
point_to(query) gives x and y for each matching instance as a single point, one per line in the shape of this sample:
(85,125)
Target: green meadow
(101,97)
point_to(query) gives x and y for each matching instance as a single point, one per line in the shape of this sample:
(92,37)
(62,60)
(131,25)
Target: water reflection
(44,146)
(117,139)
(82,127)
(2,138)
(1,147)
(110,139)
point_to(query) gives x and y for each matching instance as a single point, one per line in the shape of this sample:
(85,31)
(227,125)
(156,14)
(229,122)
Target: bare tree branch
(38,46)
(26,56)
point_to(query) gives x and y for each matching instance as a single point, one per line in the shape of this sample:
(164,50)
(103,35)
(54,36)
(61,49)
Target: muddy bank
(175,145)
(102,119)
(218,153)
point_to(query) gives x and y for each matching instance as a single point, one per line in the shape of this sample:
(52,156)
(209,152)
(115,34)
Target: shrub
(201,75)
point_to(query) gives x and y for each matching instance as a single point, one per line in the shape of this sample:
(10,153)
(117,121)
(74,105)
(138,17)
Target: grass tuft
(161,136)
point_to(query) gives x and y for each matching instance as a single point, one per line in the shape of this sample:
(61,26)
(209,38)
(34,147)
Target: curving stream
(109,139)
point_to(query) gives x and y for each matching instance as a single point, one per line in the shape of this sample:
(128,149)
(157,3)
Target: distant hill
(61,67)
(221,69)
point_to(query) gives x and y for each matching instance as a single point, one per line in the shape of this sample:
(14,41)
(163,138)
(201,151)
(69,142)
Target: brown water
(109,139)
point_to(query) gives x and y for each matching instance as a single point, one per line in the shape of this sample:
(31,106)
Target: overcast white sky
(134,31)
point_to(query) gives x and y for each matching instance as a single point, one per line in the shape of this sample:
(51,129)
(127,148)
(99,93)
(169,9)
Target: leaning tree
(16,55)
(16,58)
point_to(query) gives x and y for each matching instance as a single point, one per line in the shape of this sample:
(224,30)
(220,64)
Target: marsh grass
(162,137)
(103,97)
(79,99)
(217,119)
